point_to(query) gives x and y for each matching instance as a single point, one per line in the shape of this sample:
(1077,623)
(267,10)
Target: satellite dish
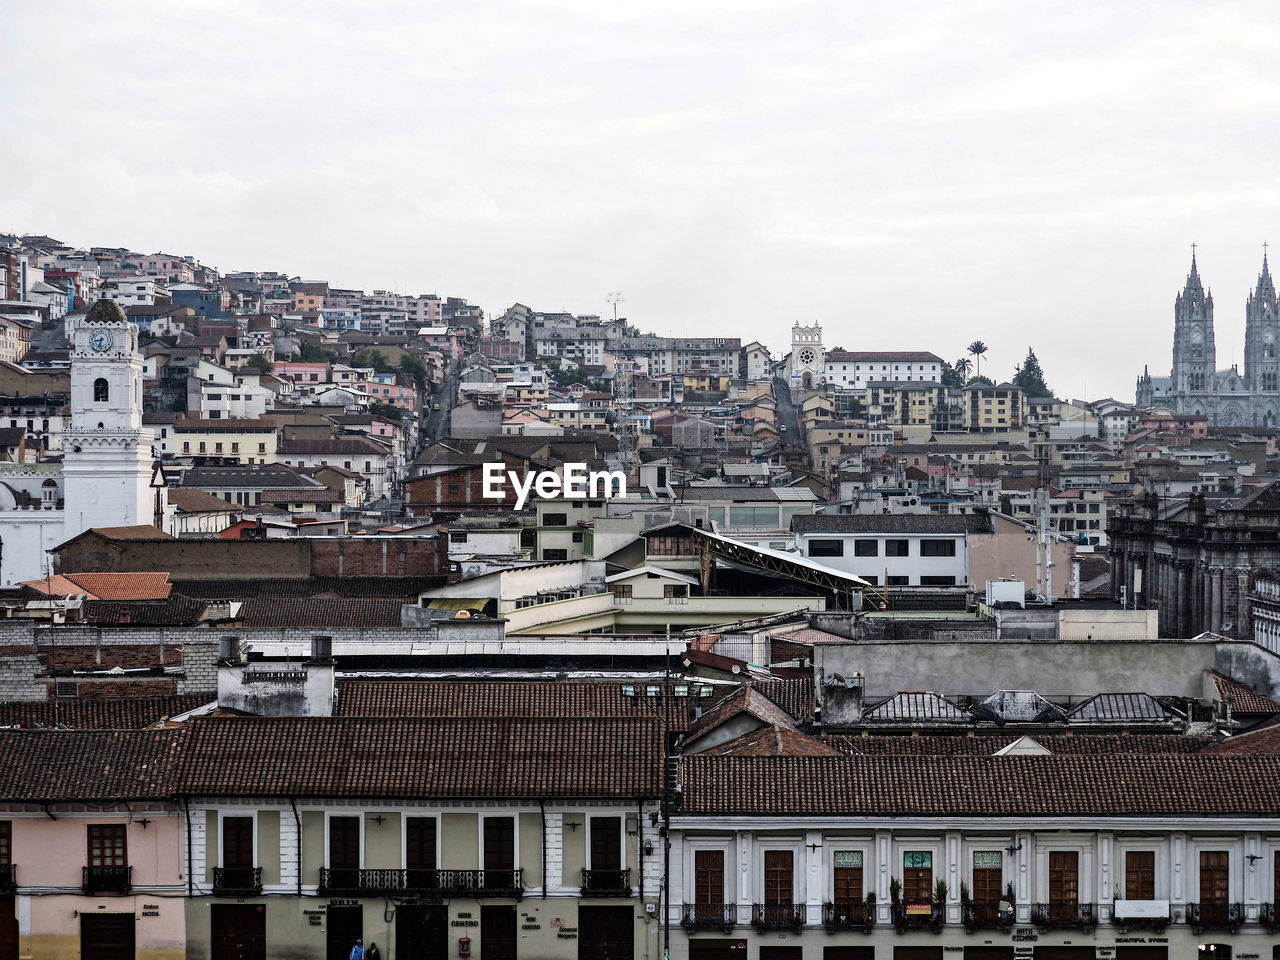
(1227,625)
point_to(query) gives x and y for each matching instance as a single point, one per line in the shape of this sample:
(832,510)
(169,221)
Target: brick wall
(94,689)
(463,487)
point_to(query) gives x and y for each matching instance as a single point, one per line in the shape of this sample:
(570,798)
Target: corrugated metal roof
(1120,706)
(916,705)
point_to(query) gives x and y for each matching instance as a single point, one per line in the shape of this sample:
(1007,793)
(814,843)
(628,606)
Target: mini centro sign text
(578,483)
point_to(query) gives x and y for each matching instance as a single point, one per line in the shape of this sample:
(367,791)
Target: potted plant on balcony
(939,906)
(896,913)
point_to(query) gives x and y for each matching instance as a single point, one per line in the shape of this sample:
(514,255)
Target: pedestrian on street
(357,952)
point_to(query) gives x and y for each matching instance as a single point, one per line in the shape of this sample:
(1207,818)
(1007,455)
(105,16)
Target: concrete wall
(1008,553)
(1251,664)
(1054,669)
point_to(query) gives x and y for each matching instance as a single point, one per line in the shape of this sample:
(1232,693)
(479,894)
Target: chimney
(842,699)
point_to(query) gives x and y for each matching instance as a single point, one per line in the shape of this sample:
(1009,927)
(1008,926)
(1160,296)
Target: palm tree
(977,348)
(962,368)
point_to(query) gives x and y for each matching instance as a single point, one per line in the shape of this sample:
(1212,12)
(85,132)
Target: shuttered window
(708,876)
(1064,876)
(779,876)
(107,845)
(847,881)
(499,843)
(917,875)
(420,843)
(344,843)
(988,871)
(237,842)
(1215,876)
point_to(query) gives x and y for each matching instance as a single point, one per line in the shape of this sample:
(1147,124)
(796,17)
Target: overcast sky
(913,175)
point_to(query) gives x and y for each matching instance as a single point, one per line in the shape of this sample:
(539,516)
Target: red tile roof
(1245,700)
(52,766)
(986,743)
(989,787)
(131,713)
(124,586)
(772,741)
(490,758)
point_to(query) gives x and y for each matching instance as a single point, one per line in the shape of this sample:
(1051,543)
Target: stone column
(1243,629)
(1206,598)
(1215,599)
(1184,601)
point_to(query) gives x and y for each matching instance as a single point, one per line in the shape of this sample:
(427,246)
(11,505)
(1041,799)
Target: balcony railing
(1269,917)
(1215,916)
(1062,914)
(237,881)
(443,883)
(917,915)
(856,915)
(107,880)
(606,883)
(708,916)
(8,878)
(987,915)
(777,916)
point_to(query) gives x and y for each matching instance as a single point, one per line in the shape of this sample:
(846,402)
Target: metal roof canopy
(763,560)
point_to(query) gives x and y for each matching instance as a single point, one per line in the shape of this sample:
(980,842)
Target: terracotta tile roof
(131,713)
(371,588)
(503,698)
(793,696)
(124,586)
(743,700)
(984,744)
(318,495)
(140,532)
(772,741)
(1262,742)
(192,500)
(79,765)
(320,612)
(175,610)
(425,758)
(54,586)
(1022,786)
(1246,700)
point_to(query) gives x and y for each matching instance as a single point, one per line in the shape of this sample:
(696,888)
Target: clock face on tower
(101,340)
(1268,337)
(807,356)
(1196,335)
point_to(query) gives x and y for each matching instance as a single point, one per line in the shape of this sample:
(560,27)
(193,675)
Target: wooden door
(1215,877)
(1064,876)
(498,931)
(238,931)
(1139,875)
(343,926)
(8,928)
(781,953)
(422,932)
(779,877)
(606,933)
(917,875)
(708,876)
(704,949)
(606,843)
(420,852)
(106,936)
(849,953)
(237,843)
(988,876)
(499,843)
(344,843)
(847,877)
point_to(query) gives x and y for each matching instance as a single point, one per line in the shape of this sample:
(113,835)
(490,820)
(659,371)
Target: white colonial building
(106,477)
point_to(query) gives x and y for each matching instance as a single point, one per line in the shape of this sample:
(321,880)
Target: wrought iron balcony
(777,916)
(8,878)
(444,883)
(1062,914)
(987,915)
(237,881)
(856,915)
(98,880)
(708,916)
(606,883)
(917,915)
(1269,917)
(1215,916)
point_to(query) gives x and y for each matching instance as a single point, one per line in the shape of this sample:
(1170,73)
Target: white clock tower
(108,455)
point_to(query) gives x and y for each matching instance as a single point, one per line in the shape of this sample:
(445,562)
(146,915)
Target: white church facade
(109,476)
(810,365)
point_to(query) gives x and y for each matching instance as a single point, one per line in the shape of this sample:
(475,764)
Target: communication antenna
(614,297)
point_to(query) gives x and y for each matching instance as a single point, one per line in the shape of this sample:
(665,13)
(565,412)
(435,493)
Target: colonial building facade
(1195,386)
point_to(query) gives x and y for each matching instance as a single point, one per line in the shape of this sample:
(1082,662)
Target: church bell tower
(108,455)
(1195,353)
(1261,335)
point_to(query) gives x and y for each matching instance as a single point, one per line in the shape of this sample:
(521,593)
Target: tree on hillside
(260,363)
(411,366)
(311,352)
(1030,377)
(976,381)
(976,350)
(388,411)
(964,367)
(369,357)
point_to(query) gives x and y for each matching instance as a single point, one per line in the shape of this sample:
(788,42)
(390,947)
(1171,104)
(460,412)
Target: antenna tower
(624,398)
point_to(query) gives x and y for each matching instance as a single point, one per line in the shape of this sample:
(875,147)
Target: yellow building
(991,408)
(242,441)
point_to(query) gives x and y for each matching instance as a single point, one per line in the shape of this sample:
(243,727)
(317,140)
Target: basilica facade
(1196,387)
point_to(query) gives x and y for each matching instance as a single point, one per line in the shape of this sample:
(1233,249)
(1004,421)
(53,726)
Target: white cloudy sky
(912,174)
